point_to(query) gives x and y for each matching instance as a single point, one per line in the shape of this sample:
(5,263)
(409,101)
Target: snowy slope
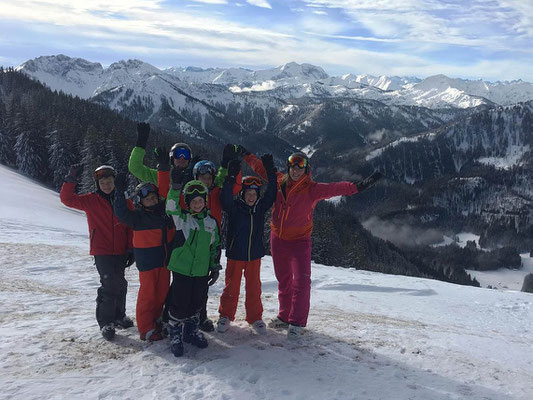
(370,336)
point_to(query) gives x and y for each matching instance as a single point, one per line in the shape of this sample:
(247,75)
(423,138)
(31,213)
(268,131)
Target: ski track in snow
(369,336)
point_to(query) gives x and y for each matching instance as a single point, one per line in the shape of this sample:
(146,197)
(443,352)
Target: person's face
(250,197)
(295,172)
(181,162)
(107,184)
(207,179)
(151,200)
(197,204)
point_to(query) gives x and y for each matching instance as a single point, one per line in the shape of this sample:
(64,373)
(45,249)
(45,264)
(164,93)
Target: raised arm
(68,196)
(227,193)
(121,210)
(136,163)
(272,186)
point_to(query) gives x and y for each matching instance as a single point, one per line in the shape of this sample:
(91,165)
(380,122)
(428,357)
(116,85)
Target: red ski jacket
(292,214)
(107,234)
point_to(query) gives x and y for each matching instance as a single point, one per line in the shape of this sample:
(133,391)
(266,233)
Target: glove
(162,157)
(190,167)
(121,183)
(143,131)
(234,167)
(213,276)
(268,163)
(177,176)
(74,173)
(130,259)
(241,150)
(369,181)
(228,154)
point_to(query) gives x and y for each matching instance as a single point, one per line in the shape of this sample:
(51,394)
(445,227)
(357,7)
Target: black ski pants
(187,295)
(111,297)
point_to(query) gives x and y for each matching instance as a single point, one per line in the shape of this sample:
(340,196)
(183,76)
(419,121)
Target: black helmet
(142,190)
(299,159)
(180,150)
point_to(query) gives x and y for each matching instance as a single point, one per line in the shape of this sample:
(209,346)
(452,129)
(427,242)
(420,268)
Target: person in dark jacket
(246,221)
(110,244)
(153,232)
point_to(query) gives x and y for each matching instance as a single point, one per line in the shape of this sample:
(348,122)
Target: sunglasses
(181,152)
(297,161)
(147,189)
(252,181)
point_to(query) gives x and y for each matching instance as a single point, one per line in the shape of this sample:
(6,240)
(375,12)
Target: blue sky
(489,39)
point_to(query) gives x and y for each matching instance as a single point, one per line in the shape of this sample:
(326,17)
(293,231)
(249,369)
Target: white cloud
(211,1)
(259,3)
(320,12)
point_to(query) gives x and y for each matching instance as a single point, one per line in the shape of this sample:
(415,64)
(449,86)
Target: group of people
(171,227)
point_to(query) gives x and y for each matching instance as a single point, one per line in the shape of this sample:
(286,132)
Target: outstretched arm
(123,213)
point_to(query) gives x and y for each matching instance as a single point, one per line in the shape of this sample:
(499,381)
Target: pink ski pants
(292,266)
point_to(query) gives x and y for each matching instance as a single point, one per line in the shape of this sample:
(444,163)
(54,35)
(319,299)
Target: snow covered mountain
(370,336)
(86,79)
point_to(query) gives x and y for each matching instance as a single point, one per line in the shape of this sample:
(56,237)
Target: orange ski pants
(230,295)
(151,298)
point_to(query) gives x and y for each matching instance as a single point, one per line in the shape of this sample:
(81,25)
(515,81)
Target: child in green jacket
(192,262)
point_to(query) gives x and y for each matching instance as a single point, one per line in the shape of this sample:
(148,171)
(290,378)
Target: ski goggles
(192,189)
(147,189)
(205,169)
(181,152)
(103,172)
(252,182)
(297,161)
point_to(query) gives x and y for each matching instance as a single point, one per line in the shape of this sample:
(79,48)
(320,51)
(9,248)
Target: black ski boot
(191,333)
(124,323)
(108,331)
(175,331)
(206,325)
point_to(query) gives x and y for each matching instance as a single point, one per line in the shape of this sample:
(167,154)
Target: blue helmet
(203,167)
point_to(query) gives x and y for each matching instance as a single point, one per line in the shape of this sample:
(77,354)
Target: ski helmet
(203,167)
(143,189)
(298,159)
(194,189)
(180,150)
(103,171)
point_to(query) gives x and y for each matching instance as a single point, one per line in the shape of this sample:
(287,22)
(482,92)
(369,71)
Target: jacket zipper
(250,238)
(192,240)
(285,214)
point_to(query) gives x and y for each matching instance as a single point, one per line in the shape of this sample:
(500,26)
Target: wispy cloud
(259,3)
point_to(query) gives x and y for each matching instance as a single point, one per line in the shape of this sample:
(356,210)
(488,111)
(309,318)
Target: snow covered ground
(370,336)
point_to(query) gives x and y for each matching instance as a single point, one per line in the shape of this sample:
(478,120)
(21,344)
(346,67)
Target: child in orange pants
(246,220)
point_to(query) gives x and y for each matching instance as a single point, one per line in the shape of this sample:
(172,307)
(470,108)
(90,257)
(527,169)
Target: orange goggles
(103,173)
(297,161)
(252,181)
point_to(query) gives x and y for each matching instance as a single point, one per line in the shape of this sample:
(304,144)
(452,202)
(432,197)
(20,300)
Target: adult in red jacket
(110,244)
(291,228)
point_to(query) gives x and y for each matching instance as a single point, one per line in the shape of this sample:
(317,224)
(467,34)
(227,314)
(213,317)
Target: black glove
(369,181)
(213,276)
(74,173)
(228,154)
(234,167)
(143,131)
(268,163)
(130,258)
(163,158)
(121,183)
(241,150)
(177,176)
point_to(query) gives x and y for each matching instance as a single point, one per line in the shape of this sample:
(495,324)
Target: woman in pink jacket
(291,228)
